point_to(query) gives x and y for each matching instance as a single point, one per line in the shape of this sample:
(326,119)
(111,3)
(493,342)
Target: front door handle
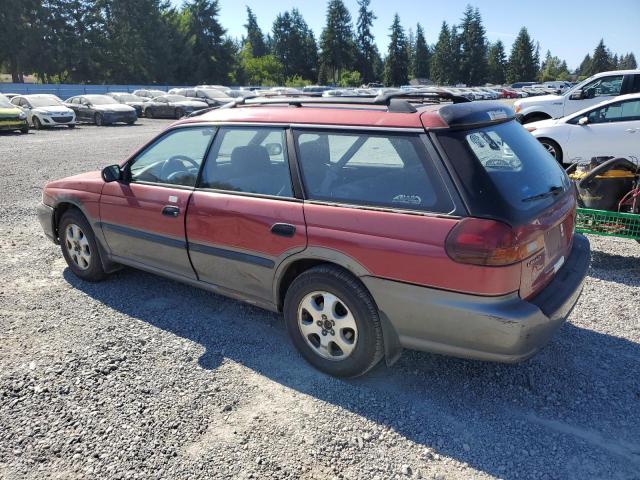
(171,211)
(283,230)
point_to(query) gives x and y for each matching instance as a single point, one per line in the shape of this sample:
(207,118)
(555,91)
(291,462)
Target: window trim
(126,166)
(287,162)
(430,163)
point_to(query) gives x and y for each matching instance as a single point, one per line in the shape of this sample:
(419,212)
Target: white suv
(593,90)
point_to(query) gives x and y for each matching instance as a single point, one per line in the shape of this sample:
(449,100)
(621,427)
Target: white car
(45,110)
(591,91)
(609,128)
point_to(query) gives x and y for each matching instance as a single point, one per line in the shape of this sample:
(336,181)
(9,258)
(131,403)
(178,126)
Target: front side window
(615,112)
(249,160)
(368,169)
(603,87)
(174,159)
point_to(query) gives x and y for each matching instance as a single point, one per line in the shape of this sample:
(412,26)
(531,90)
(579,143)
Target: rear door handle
(283,229)
(631,130)
(171,211)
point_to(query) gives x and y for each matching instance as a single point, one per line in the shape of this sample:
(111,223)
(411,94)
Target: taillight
(488,242)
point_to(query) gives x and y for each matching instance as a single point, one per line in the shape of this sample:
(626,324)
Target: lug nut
(319,323)
(324,333)
(333,332)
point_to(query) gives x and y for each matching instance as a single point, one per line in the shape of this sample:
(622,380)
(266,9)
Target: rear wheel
(333,322)
(179,113)
(553,148)
(79,247)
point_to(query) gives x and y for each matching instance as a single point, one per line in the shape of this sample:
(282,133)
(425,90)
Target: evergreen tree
(254,35)
(473,48)
(212,59)
(337,47)
(422,55)
(553,69)
(497,64)
(367,51)
(522,63)
(294,45)
(601,60)
(396,67)
(628,62)
(584,70)
(441,60)
(456,57)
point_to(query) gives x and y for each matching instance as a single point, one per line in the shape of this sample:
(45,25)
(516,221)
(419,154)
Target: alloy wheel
(551,149)
(77,245)
(327,325)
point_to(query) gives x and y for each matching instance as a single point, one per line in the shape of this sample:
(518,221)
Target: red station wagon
(372,224)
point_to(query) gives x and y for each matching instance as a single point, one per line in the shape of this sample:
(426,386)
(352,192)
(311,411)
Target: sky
(568,28)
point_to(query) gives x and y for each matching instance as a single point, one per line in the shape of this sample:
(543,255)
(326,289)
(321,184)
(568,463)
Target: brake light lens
(487,242)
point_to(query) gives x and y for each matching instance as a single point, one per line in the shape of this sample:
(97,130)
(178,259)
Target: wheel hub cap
(77,246)
(327,325)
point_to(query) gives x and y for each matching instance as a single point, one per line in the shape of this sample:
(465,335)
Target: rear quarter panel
(404,247)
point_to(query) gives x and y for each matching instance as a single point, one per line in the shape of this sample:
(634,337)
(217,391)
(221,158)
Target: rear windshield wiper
(552,191)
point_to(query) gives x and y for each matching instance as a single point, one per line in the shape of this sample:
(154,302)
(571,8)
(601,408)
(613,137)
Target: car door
(143,219)
(243,218)
(613,129)
(597,91)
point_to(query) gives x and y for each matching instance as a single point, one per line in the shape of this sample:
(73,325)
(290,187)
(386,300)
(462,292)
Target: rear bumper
(46,216)
(501,329)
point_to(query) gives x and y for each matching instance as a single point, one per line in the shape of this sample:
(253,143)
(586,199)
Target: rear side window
(504,169)
(370,169)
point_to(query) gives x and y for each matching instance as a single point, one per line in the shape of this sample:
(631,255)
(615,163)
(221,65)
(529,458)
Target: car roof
(619,98)
(338,115)
(616,72)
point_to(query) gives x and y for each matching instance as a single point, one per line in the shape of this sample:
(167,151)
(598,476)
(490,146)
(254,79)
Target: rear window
(505,172)
(370,169)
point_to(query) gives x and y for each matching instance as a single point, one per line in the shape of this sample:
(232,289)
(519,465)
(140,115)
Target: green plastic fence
(613,224)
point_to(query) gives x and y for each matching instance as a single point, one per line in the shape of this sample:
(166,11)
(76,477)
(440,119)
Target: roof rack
(396,102)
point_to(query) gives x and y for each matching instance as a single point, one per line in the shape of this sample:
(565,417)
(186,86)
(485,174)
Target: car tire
(37,124)
(79,247)
(24,129)
(72,126)
(349,350)
(148,113)
(179,113)
(98,120)
(131,122)
(553,148)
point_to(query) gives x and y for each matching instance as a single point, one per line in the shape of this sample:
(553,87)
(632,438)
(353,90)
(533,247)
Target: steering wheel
(174,165)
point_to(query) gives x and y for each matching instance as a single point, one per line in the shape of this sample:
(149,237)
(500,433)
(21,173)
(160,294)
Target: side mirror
(577,95)
(273,149)
(583,121)
(112,173)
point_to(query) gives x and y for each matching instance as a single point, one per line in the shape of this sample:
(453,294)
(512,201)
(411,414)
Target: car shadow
(571,410)
(615,268)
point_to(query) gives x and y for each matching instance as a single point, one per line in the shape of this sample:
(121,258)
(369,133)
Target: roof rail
(396,102)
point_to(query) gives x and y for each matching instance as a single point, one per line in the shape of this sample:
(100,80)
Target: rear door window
(370,169)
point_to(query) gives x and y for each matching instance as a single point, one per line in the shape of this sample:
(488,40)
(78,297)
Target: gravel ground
(142,377)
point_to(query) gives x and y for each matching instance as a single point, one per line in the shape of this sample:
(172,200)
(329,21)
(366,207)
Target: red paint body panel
(239,224)
(368,117)
(82,190)
(404,247)
(557,225)
(139,207)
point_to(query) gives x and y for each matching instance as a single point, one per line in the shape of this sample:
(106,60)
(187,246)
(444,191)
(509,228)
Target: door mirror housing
(583,121)
(577,95)
(112,173)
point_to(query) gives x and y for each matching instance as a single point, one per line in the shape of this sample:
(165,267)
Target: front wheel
(148,113)
(333,322)
(553,148)
(79,247)
(99,121)
(37,124)
(24,130)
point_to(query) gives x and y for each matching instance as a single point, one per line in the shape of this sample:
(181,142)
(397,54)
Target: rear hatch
(504,174)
